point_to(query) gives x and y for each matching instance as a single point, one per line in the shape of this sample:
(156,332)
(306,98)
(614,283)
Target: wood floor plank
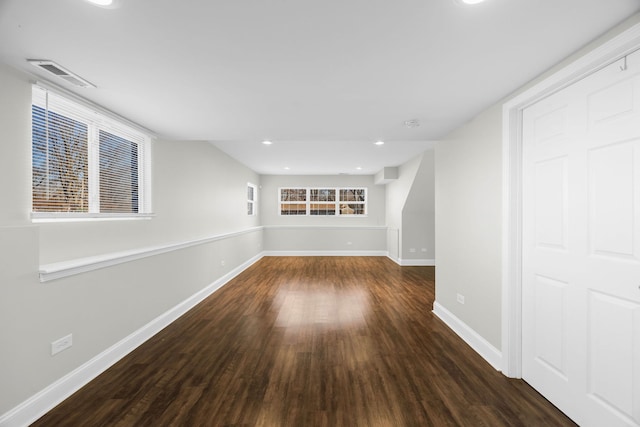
(309,341)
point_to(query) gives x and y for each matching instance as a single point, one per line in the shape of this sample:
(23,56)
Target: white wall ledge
(411,262)
(326,227)
(58,270)
(325,253)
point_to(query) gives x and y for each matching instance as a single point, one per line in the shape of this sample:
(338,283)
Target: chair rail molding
(62,269)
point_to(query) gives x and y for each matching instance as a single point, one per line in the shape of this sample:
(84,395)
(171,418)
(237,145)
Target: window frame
(348,202)
(319,207)
(293,202)
(336,202)
(96,120)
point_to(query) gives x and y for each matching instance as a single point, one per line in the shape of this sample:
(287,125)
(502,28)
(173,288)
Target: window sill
(44,217)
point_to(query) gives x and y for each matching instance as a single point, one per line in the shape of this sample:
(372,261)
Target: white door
(581,247)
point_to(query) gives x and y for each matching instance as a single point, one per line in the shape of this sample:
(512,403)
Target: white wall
(325,240)
(323,234)
(15,149)
(468,220)
(410,210)
(397,192)
(418,214)
(468,216)
(197,191)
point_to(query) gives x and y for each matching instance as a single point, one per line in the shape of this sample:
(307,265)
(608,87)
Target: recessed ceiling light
(379,143)
(471,1)
(359,168)
(101,2)
(287,168)
(106,4)
(267,142)
(413,123)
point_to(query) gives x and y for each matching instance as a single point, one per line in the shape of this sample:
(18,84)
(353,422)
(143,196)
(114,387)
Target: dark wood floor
(309,341)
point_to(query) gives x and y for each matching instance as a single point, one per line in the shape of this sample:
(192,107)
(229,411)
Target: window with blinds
(84,163)
(323,201)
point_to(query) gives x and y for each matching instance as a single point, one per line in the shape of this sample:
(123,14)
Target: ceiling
(323,79)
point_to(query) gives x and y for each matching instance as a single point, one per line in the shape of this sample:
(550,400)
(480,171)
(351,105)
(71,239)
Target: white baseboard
(413,262)
(394,259)
(471,337)
(45,400)
(417,262)
(325,253)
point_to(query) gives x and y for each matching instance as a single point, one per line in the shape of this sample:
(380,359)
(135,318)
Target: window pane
(352,209)
(322,209)
(352,195)
(118,174)
(322,195)
(250,208)
(60,164)
(293,195)
(293,209)
(249,192)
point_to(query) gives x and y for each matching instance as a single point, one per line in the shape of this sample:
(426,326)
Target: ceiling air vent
(61,72)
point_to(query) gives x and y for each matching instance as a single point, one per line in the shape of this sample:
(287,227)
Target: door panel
(611,104)
(614,360)
(550,126)
(548,285)
(551,203)
(551,327)
(611,201)
(581,247)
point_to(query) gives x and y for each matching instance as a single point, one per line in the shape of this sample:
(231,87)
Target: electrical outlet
(222,263)
(349,243)
(412,250)
(61,344)
(460,298)
(424,249)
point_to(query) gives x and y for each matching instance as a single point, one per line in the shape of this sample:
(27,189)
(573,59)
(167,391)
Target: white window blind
(84,163)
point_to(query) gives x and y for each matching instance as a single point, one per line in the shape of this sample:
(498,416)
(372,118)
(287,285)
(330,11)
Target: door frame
(614,49)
